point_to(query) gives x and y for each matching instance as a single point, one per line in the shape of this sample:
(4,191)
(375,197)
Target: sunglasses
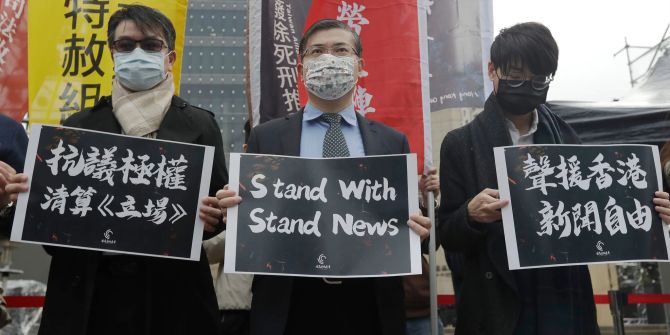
(147,44)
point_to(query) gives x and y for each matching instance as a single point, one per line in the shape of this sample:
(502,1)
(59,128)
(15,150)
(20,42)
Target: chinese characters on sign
(565,200)
(569,175)
(167,173)
(82,54)
(344,219)
(71,68)
(86,183)
(286,55)
(10,16)
(13,62)
(352,14)
(392,78)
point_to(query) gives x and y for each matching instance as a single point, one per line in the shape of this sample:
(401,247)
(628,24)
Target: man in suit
(91,292)
(328,126)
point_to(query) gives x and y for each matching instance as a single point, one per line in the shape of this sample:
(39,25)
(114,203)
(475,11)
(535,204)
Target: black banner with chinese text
(281,26)
(111,192)
(574,204)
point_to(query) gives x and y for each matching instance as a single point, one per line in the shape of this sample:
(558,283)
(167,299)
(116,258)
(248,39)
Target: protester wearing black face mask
(522,96)
(493,299)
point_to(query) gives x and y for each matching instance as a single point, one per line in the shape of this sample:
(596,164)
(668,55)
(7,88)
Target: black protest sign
(341,217)
(102,191)
(572,204)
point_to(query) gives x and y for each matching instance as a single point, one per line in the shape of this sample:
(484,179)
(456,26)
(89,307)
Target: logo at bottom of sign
(600,246)
(322,262)
(108,237)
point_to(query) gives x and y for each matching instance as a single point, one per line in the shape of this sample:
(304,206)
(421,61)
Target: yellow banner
(69,61)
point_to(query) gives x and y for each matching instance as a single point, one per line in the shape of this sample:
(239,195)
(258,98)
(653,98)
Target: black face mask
(520,100)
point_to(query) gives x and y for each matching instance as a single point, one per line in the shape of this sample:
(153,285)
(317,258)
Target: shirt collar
(348,114)
(533,125)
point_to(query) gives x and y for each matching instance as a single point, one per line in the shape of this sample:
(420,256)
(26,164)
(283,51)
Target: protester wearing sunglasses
(102,293)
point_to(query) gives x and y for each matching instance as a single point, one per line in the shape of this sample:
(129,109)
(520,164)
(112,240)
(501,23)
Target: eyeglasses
(339,51)
(147,44)
(538,83)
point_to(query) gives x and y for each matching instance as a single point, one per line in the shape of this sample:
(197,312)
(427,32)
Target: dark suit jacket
(490,301)
(180,296)
(272,294)
(13,145)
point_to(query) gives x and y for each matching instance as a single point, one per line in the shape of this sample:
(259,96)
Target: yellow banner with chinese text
(69,61)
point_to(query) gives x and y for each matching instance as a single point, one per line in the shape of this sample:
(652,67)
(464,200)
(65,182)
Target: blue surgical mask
(139,70)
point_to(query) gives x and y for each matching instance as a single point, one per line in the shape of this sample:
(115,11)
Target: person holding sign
(495,300)
(13,144)
(91,292)
(328,126)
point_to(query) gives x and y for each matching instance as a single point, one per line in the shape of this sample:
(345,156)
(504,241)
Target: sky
(588,33)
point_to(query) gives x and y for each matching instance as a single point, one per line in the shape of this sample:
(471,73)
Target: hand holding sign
(429,182)
(420,225)
(210,213)
(18,183)
(485,206)
(662,203)
(6,173)
(227,199)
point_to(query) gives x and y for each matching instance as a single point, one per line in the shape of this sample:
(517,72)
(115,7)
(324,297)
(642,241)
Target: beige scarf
(141,113)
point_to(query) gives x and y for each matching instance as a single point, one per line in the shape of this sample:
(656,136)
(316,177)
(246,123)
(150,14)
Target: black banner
(456,30)
(111,192)
(339,217)
(574,204)
(281,24)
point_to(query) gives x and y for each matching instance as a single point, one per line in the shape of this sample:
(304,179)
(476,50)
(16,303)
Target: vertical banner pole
(422,13)
(617,301)
(432,265)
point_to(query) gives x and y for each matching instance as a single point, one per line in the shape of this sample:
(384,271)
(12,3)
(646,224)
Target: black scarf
(555,300)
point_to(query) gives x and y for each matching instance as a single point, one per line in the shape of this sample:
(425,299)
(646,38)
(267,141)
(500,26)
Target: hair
(146,19)
(328,24)
(247,131)
(525,44)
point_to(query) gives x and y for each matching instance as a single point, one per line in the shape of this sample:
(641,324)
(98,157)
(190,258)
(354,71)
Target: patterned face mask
(330,77)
